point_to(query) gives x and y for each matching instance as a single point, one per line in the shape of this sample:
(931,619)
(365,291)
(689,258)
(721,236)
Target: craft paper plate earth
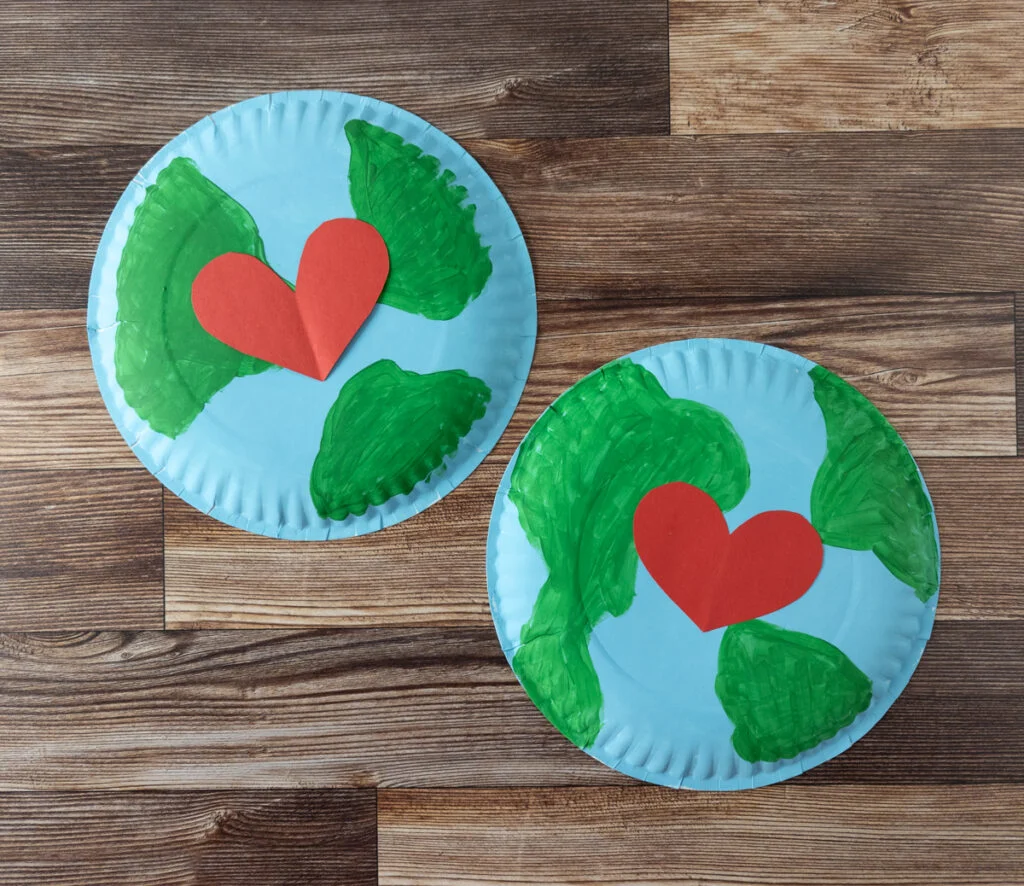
(713,564)
(420,394)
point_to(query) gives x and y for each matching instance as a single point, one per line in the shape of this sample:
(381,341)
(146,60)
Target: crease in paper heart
(241,301)
(716,577)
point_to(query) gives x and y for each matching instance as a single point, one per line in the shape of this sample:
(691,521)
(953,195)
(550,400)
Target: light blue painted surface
(246,459)
(662,719)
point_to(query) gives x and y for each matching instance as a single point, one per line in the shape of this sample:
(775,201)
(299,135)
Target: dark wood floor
(181,703)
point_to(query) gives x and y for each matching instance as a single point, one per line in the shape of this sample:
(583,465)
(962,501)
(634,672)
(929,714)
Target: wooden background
(184,703)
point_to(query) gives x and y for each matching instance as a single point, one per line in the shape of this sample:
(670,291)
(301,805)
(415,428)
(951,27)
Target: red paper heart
(715,577)
(241,301)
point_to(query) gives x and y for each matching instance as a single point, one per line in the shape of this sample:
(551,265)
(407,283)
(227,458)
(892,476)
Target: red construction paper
(715,577)
(241,301)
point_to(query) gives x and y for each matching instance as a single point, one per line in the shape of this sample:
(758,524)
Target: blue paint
(770,403)
(516,571)
(860,607)
(648,655)
(663,722)
(246,459)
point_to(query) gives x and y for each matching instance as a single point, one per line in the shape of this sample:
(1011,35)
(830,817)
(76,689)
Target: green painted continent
(784,691)
(167,365)
(388,430)
(578,478)
(868,494)
(438,264)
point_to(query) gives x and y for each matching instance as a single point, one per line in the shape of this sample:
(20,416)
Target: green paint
(438,265)
(388,430)
(785,692)
(868,494)
(167,365)
(580,475)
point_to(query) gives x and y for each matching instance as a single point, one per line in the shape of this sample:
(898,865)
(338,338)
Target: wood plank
(220,577)
(805,214)
(80,550)
(426,707)
(979,505)
(427,570)
(864,64)
(779,835)
(948,389)
(50,408)
(251,709)
(49,229)
(643,218)
(128,71)
(1018,314)
(231,838)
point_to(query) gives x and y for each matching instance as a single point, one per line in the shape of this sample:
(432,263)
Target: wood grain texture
(605,219)
(948,388)
(1018,346)
(227,838)
(254,709)
(808,214)
(430,570)
(220,577)
(51,411)
(979,504)
(49,228)
(127,71)
(890,257)
(779,65)
(428,707)
(778,835)
(80,550)
(426,570)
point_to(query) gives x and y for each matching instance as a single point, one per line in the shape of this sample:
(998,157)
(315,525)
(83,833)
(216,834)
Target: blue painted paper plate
(605,652)
(418,398)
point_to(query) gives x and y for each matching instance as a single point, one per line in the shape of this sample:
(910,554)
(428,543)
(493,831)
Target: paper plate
(772,687)
(420,395)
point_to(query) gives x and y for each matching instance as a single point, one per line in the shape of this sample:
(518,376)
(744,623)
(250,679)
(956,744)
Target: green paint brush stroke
(784,691)
(580,475)
(868,494)
(438,264)
(388,430)
(167,365)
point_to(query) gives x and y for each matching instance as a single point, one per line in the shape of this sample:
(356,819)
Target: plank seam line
(1016,364)
(668,67)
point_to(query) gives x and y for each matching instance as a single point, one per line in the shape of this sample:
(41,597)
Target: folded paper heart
(715,577)
(241,301)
